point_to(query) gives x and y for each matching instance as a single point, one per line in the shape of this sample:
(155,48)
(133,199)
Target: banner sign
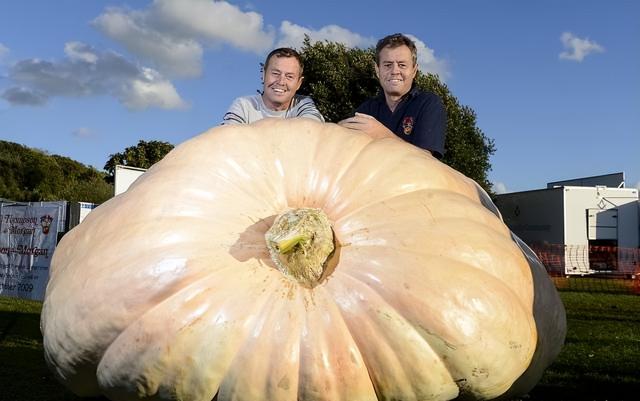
(28,236)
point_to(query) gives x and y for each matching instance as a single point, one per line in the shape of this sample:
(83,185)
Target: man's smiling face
(396,70)
(282,79)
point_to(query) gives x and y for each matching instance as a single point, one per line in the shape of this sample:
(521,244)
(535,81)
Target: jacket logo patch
(407,125)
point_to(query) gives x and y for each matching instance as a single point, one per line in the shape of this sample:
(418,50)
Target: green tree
(339,79)
(144,155)
(33,175)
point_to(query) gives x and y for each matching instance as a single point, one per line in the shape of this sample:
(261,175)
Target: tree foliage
(339,79)
(144,155)
(31,175)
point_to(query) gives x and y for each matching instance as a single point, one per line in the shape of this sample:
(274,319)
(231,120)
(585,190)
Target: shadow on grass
(588,387)
(24,375)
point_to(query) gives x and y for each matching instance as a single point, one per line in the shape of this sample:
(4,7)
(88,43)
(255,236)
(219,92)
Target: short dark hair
(284,52)
(395,40)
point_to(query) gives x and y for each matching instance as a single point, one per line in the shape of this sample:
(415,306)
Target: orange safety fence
(591,267)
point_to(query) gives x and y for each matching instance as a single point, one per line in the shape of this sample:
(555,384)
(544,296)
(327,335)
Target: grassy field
(600,360)
(601,356)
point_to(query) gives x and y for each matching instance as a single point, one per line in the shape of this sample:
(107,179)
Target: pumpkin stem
(286,245)
(300,243)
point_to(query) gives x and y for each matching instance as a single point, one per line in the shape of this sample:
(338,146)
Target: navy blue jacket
(419,118)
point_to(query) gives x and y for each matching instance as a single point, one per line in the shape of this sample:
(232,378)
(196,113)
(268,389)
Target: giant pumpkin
(294,260)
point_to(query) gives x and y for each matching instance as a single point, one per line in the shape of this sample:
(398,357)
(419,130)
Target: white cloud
(4,50)
(175,56)
(21,96)
(150,91)
(171,34)
(428,62)
(83,132)
(499,187)
(88,72)
(577,49)
(77,51)
(292,35)
(214,21)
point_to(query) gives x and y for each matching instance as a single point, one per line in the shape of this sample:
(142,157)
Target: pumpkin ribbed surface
(168,291)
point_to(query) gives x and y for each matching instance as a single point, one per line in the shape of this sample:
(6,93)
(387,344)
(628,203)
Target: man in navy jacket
(401,110)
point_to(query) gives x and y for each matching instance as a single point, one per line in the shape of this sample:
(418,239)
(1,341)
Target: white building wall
(577,202)
(560,217)
(535,216)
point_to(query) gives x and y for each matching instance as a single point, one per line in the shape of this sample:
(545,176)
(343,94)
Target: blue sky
(556,84)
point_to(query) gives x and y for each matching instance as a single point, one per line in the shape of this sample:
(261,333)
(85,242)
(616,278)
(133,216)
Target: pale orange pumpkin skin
(168,291)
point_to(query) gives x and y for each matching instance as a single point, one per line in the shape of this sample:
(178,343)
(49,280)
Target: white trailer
(581,220)
(77,212)
(125,176)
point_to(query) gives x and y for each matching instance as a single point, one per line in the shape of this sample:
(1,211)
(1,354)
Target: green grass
(23,373)
(601,356)
(600,360)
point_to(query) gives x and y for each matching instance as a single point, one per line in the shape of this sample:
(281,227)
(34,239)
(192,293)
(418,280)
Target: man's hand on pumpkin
(367,124)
